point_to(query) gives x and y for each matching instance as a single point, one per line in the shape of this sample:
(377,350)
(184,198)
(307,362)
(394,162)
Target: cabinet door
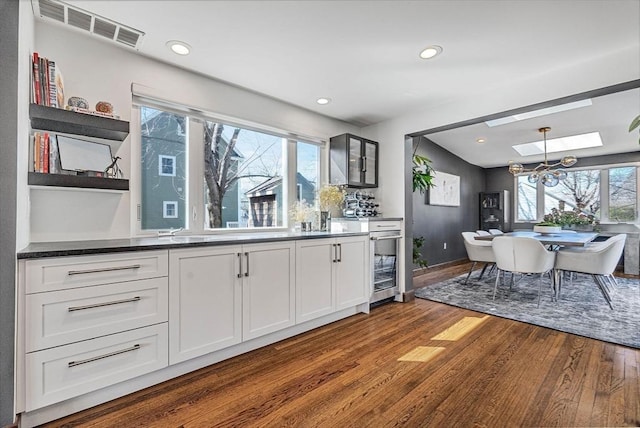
(205,301)
(314,278)
(268,293)
(355,161)
(352,272)
(370,164)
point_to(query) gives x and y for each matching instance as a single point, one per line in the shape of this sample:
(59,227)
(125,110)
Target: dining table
(560,239)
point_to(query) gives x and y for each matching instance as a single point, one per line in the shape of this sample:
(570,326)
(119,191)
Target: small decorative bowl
(104,107)
(78,102)
(547,230)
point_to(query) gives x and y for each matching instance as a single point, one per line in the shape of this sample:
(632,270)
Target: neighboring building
(164,170)
(265,198)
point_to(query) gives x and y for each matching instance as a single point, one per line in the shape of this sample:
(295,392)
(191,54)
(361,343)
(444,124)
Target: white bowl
(547,230)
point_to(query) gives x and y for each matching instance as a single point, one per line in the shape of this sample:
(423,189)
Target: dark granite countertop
(75,248)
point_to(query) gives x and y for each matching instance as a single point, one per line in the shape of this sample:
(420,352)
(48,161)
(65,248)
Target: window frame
(194,205)
(604,193)
(160,166)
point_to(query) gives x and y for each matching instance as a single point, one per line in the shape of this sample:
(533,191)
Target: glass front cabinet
(354,161)
(494,210)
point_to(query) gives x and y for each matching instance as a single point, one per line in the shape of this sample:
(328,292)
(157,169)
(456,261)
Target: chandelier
(546,173)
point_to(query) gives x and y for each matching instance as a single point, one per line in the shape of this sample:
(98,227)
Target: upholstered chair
(522,255)
(598,260)
(477,251)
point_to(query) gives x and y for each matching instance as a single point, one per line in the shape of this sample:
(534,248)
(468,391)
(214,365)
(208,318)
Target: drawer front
(64,372)
(67,316)
(379,226)
(79,271)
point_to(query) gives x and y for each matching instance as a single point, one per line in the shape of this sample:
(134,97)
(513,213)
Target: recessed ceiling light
(323,101)
(480,140)
(178,47)
(430,51)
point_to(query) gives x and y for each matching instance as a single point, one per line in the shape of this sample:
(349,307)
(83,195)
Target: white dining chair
(522,255)
(477,251)
(598,260)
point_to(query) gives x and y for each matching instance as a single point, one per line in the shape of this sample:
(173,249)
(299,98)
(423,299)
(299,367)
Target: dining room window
(609,194)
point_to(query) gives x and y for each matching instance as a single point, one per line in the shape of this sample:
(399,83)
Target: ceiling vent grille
(78,18)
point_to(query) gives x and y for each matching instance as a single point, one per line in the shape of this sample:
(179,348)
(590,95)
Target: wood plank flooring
(500,373)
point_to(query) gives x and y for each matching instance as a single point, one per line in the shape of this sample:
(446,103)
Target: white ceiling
(364,54)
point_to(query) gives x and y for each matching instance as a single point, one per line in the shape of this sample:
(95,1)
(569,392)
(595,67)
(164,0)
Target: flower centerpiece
(302,213)
(574,219)
(330,200)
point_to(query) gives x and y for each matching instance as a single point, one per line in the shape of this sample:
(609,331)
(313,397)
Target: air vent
(78,18)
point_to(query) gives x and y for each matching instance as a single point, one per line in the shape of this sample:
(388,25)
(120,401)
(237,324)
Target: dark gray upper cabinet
(354,161)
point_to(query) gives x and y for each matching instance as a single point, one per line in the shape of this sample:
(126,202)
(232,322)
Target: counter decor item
(104,107)
(301,213)
(330,199)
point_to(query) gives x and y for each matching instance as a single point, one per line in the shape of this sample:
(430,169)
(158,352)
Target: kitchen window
(608,193)
(221,175)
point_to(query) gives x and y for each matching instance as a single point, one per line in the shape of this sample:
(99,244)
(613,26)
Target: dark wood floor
(499,373)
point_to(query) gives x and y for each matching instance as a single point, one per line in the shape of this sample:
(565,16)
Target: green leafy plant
(418,242)
(548,223)
(422,173)
(635,123)
(567,218)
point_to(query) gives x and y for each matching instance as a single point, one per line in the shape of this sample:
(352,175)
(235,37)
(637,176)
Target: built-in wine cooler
(386,236)
(384,258)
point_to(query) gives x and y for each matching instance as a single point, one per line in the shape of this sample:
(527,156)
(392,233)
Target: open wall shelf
(70,122)
(77,181)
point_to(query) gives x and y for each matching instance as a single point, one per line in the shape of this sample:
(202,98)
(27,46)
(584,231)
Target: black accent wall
(441,224)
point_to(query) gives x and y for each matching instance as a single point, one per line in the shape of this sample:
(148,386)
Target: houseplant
(574,219)
(422,175)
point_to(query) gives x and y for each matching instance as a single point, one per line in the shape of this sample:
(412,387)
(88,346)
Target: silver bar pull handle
(99,305)
(364,164)
(384,238)
(108,269)
(240,265)
(110,354)
(246,273)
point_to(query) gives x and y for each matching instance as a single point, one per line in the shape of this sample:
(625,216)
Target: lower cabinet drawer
(57,374)
(62,317)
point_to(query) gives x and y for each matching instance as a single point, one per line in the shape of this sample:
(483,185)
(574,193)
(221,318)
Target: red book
(45,156)
(36,79)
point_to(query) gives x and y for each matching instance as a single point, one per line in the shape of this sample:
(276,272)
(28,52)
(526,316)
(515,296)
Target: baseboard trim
(422,271)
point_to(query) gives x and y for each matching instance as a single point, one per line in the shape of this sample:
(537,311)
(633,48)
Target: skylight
(537,113)
(562,144)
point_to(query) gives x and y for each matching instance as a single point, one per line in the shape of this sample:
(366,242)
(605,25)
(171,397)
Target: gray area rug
(580,310)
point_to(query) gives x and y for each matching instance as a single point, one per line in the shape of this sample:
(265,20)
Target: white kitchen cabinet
(331,274)
(220,296)
(205,311)
(352,272)
(87,322)
(268,288)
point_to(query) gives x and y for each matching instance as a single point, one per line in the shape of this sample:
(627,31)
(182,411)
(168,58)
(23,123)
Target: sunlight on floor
(459,329)
(421,354)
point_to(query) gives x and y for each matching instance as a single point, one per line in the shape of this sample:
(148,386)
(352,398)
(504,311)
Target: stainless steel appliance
(386,236)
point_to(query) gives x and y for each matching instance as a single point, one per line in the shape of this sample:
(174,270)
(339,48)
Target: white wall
(97,70)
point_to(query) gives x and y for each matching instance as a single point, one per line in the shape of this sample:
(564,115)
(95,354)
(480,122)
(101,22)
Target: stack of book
(47,84)
(45,153)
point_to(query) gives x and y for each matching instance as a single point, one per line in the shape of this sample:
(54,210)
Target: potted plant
(422,173)
(330,200)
